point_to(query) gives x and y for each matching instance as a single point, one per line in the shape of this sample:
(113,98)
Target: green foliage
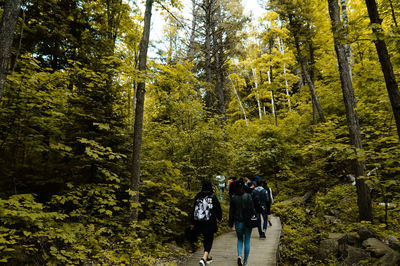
(166,204)
(340,201)
(299,237)
(66,130)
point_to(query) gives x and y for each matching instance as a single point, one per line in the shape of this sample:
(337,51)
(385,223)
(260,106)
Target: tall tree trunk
(287,88)
(208,19)
(272,97)
(257,94)
(7,28)
(21,34)
(282,50)
(309,81)
(191,50)
(240,102)
(315,112)
(393,14)
(363,192)
(384,58)
(346,26)
(138,126)
(218,75)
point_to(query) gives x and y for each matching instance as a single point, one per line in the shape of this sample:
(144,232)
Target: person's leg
(239,227)
(260,232)
(247,236)
(265,218)
(208,241)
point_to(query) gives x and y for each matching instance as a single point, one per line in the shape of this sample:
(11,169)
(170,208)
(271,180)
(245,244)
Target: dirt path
(262,251)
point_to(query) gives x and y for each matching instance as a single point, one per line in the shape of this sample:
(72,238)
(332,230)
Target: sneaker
(240,261)
(263,235)
(245,264)
(209,260)
(202,262)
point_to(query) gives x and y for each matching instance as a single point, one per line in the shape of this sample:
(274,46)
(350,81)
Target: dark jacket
(209,226)
(239,202)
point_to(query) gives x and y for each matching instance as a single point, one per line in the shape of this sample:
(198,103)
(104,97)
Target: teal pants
(243,234)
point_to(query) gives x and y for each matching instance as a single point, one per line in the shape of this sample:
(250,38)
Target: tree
(7,28)
(300,20)
(363,192)
(384,59)
(141,89)
(191,48)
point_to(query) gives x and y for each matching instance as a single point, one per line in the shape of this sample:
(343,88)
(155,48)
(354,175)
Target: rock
(335,235)
(306,196)
(391,258)
(332,219)
(392,242)
(348,239)
(354,255)
(365,233)
(327,248)
(377,247)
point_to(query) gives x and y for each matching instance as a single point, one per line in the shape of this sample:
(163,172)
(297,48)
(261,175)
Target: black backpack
(249,214)
(261,196)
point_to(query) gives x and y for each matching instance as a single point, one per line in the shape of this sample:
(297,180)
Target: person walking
(207,210)
(269,202)
(240,201)
(262,195)
(221,186)
(232,186)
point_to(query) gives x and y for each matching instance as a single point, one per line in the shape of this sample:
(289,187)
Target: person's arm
(231,214)
(194,205)
(218,210)
(271,197)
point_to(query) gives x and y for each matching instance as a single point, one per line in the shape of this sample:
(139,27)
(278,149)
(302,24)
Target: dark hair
(207,186)
(239,188)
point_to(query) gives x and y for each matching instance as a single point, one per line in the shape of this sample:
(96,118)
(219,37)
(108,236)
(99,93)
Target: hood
(259,188)
(202,194)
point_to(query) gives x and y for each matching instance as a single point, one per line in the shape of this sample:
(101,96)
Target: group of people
(250,206)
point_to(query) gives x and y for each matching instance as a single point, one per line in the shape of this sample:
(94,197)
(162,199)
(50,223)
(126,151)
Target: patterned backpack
(202,209)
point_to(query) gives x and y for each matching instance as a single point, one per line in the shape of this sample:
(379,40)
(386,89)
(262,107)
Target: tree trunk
(240,102)
(191,50)
(309,80)
(207,8)
(272,97)
(21,34)
(218,74)
(287,88)
(257,94)
(314,96)
(346,26)
(7,28)
(393,14)
(363,192)
(384,58)
(138,125)
(282,50)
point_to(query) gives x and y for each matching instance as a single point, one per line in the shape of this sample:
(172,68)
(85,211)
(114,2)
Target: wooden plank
(263,252)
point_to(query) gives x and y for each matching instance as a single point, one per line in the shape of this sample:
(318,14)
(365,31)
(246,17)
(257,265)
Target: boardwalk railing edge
(278,256)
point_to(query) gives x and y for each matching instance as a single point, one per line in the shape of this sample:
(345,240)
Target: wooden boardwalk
(263,252)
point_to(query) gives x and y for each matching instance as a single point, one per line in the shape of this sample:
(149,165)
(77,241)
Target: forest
(106,134)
